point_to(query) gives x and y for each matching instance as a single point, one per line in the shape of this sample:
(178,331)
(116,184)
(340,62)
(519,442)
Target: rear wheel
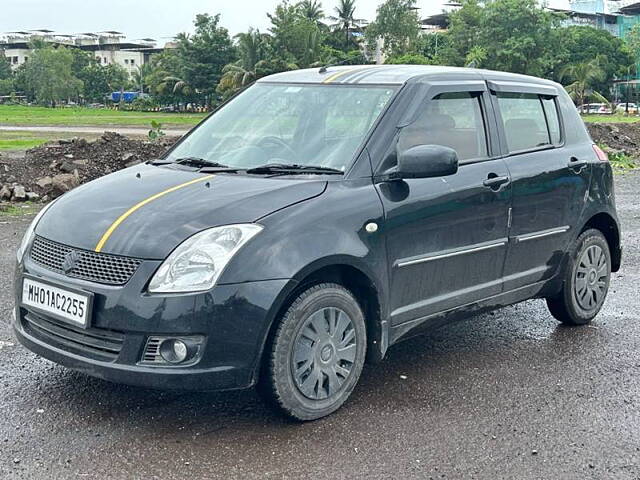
(317,353)
(586,280)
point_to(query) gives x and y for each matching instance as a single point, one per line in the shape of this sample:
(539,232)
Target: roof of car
(391,75)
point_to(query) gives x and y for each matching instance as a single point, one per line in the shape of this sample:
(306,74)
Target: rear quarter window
(553,120)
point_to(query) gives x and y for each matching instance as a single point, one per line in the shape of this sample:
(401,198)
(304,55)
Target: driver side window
(452,120)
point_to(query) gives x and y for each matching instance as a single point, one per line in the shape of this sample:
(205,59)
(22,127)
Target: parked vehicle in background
(631,108)
(595,108)
(313,221)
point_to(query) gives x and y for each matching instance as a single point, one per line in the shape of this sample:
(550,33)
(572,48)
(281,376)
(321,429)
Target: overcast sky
(159,19)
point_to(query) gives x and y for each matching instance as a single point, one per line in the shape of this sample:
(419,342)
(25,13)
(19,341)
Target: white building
(108,47)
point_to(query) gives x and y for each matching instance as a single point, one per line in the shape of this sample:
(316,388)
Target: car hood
(146,211)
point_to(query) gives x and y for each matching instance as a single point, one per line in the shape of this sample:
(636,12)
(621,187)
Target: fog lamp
(173,351)
(178,351)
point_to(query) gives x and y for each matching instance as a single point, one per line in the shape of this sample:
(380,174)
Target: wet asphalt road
(509,395)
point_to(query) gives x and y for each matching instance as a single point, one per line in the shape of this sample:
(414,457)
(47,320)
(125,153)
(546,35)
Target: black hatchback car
(314,220)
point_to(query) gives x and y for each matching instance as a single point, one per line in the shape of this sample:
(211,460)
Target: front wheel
(317,353)
(586,280)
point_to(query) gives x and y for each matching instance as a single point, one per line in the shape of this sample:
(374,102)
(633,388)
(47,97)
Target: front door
(447,237)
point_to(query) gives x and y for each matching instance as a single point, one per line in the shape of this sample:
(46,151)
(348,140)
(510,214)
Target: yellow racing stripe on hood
(141,204)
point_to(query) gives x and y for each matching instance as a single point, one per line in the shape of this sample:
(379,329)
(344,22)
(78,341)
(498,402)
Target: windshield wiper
(198,162)
(190,162)
(293,168)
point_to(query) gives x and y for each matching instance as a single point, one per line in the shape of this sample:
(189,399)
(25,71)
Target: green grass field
(19,115)
(618,118)
(20,144)
(20,140)
(32,116)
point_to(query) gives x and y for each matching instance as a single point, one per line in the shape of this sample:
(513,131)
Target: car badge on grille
(70,261)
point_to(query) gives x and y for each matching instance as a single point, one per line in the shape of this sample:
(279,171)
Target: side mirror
(424,161)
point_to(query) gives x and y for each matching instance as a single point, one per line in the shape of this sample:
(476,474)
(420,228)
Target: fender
(297,242)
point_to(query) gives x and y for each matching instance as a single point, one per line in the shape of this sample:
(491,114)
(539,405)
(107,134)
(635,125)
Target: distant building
(615,16)
(108,47)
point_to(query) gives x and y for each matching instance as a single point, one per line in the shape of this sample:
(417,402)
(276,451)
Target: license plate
(60,302)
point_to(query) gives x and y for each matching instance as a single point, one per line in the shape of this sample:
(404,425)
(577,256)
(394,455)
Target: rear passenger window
(529,121)
(452,120)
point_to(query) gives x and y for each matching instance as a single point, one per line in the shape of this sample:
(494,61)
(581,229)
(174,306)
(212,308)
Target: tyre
(586,280)
(316,355)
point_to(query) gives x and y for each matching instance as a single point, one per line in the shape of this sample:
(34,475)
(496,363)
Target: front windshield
(319,125)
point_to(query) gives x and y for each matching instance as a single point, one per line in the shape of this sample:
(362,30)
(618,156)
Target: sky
(159,19)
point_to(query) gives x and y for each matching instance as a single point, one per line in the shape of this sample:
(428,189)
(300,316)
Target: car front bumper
(233,320)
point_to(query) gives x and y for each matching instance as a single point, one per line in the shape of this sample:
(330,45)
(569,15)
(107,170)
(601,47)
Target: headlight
(198,261)
(28,235)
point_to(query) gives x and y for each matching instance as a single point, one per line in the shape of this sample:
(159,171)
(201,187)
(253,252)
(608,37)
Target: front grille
(84,264)
(99,344)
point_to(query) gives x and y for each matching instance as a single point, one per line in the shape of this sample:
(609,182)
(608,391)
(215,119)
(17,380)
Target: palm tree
(584,75)
(345,18)
(311,10)
(312,46)
(139,76)
(176,85)
(252,47)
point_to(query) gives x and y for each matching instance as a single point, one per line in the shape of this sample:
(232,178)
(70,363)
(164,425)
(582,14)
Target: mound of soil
(617,137)
(52,169)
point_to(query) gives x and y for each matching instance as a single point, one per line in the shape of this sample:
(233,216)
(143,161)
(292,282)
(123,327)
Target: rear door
(447,237)
(549,180)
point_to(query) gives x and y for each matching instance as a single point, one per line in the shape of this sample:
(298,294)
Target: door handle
(494,182)
(576,165)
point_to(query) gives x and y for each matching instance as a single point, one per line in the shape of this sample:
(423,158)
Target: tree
(633,39)
(432,45)
(311,10)
(397,23)
(284,29)
(81,60)
(252,48)
(203,56)
(99,80)
(346,21)
(48,75)
(584,43)
(5,66)
(165,66)
(511,35)
(408,59)
(583,75)
(296,38)
(271,66)
(6,75)
(333,56)
(465,26)
(140,77)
